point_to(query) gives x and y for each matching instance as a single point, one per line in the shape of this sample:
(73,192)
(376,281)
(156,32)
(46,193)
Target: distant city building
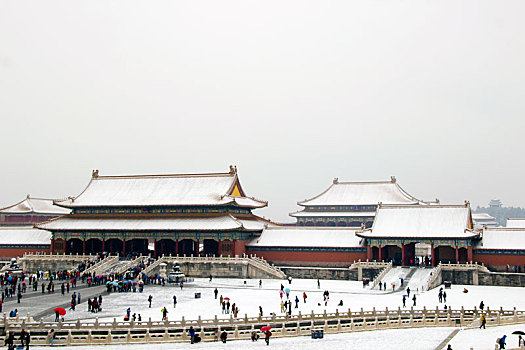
(484,219)
(495,203)
(30,211)
(352,204)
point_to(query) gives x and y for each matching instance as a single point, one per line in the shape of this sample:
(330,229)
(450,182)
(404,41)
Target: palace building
(398,229)
(30,211)
(352,204)
(189,214)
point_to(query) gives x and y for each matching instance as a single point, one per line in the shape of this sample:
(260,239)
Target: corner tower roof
(362,193)
(214,189)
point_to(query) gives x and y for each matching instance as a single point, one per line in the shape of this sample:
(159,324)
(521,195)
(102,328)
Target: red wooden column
(432,255)
(403,254)
(380,253)
(103,245)
(177,246)
(469,254)
(84,246)
(369,253)
(457,255)
(155,248)
(161,247)
(124,248)
(219,248)
(197,250)
(233,247)
(52,246)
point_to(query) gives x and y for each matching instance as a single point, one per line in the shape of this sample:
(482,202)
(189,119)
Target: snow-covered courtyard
(248,296)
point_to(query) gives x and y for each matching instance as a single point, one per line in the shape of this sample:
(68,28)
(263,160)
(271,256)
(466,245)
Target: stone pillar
(219,247)
(403,254)
(457,255)
(197,249)
(469,254)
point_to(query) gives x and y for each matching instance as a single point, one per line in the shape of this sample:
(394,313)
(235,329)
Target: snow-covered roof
(163,190)
(362,193)
(24,235)
(333,213)
(35,205)
(134,223)
(298,236)
(516,222)
(421,221)
(482,216)
(502,238)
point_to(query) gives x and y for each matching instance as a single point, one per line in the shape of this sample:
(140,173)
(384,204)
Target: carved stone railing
(82,332)
(102,265)
(380,276)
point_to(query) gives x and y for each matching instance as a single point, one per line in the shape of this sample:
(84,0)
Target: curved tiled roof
(421,221)
(141,223)
(362,193)
(162,190)
(299,236)
(35,205)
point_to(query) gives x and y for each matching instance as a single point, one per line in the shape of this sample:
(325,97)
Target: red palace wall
(309,258)
(19,252)
(240,248)
(500,260)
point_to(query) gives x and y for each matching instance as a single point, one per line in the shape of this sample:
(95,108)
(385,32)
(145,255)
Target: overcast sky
(294,93)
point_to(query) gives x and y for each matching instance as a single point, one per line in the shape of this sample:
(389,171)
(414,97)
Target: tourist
(449,347)
(260,311)
(140,318)
(23,335)
(340,303)
(164,313)
(502,342)
(28,340)
(181,285)
(267,336)
(440,295)
(483,322)
(408,292)
(224,307)
(481,305)
(384,286)
(304,297)
(174,301)
(51,336)
(296,302)
(380,285)
(289,279)
(260,283)
(57,316)
(215,292)
(318,284)
(221,300)
(414,299)
(444,297)
(150,298)
(10,341)
(224,335)
(227,306)
(404,300)
(192,335)
(78,298)
(254,336)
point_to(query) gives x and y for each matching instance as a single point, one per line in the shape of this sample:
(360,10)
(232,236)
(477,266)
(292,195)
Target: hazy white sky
(294,93)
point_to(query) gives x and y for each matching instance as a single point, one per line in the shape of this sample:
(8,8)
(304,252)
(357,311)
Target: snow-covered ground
(248,297)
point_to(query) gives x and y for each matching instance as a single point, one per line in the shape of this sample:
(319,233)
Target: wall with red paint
(309,258)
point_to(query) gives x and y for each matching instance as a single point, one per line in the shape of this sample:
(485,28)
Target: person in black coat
(224,335)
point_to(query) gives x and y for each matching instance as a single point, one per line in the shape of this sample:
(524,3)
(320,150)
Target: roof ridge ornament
(233,169)
(94,174)
(336,180)
(28,196)
(393,179)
